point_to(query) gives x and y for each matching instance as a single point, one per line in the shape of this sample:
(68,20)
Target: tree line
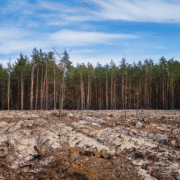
(43,84)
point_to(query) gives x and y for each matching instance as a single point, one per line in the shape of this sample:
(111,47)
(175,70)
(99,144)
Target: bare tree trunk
(62,98)
(126,93)
(22,90)
(60,88)
(140,95)
(3,97)
(100,96)
(150,92)
(130,95)
(114,93)
(8,90)
(11,99)
(42,89)
(156,97)
(172,93)
(111,91)
(32,81)
(56,98)
(106,92)
(146,89)
(88,92)
(134,97)
(54,89)
(46,86)
(84,95)
(123,90)
(18,92)
(81,93)
(96,97)
(102,102)
(37,88)
(163,93)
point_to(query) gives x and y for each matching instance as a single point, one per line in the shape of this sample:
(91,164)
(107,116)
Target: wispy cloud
(28,25)
(69,37)
(139,11)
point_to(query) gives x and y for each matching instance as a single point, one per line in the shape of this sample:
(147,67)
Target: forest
(43,84)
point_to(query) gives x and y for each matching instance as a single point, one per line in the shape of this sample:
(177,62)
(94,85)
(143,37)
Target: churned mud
(90,144)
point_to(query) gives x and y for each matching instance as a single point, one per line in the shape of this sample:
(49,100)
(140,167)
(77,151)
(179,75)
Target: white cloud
(68,37)
(13,32)
(140,11)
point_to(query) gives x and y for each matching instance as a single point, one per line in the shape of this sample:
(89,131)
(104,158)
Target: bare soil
(97,145)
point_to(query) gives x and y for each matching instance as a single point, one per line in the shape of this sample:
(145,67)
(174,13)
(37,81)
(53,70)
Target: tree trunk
(172,93)
(99,96)
(130,95)
(22,90)
(54,90)
(81,93)
(140,93)
(163,93)
(150,92)
(60,89)
(111,91)
(62,98)
(32,81)
(156,97)
(18,107)
(106,92)
(37,88)
(42,90)
(114,93)
(8,90)
(63,95)
(134,97)
(146,90)
(123,90)
(126,93)
(88,93)
(46,86)
(102,102)
(3,97)
(96,98)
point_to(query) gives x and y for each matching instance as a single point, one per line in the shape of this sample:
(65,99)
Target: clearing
(90,144)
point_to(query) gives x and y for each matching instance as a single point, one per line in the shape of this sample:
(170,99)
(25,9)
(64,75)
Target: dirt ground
(95,145)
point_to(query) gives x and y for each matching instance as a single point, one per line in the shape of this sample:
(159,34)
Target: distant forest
(41,84)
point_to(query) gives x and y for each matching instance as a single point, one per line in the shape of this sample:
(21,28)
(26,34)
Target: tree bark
(114,93)
(111,91)
(32,81)
(106,92)
(163,93)
(54,89)
(46,86)
(146,90)
(96,100)
(81,93)
(22,90)
(37,88)
(18,92)
(126,93)
(130,95)
(8,90)
(172,92)
(42,90)
(123,90)
(88,92)
(140,100)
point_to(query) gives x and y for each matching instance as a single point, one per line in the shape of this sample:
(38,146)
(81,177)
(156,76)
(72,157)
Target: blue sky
(91,30)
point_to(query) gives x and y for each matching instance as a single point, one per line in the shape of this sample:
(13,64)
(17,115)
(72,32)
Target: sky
(91,30)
